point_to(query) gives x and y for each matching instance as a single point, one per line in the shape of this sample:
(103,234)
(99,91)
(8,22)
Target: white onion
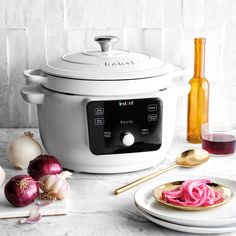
(2,175)
(22,150)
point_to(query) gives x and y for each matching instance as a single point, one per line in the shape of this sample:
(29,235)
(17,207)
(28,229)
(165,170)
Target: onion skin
(44,165)
(2,175)
(22,150)
(21,190)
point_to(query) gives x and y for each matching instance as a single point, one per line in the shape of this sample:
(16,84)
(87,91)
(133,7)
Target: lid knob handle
(106,42)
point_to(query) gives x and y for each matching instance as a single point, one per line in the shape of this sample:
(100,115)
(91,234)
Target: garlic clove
(64,192)
(34,216)
(65,174)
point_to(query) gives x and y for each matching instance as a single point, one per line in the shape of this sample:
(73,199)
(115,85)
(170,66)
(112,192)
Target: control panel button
(127,139)
(99,111)
(152,107)
(152,117)
(145,131)
(107,134)
(99,121)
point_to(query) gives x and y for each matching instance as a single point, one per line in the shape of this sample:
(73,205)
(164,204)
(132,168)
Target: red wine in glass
(219,144)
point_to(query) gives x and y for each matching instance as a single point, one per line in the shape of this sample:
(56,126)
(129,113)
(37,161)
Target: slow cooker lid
(107,64)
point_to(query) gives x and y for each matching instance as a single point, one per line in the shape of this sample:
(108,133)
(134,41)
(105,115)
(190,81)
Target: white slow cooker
(106,110)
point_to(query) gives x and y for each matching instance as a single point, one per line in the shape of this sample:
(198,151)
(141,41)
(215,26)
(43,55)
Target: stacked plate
(221,219)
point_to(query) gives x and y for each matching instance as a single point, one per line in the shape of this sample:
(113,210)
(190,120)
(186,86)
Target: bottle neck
(199,58)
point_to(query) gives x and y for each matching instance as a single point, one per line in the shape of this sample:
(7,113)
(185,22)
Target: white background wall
(32,31)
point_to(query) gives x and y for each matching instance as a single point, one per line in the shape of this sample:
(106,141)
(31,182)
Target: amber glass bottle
(198,98)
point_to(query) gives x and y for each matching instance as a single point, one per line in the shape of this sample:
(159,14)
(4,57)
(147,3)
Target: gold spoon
(189,158)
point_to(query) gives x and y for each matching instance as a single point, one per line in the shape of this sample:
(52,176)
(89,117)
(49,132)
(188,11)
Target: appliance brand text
(126,122)
(126,103)
(118,63)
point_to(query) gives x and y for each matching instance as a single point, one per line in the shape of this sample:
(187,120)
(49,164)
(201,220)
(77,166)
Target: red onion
(193,193)
(21,190)
(44,165)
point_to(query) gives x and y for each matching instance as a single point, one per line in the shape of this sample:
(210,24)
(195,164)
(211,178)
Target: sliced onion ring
(193,193)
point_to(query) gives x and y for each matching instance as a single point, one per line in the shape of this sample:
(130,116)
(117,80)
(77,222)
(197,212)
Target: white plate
(189,229)
(220,216)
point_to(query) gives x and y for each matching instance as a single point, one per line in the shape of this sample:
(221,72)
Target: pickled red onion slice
(193,193)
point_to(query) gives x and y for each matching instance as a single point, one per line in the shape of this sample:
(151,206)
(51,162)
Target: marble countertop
(94,210)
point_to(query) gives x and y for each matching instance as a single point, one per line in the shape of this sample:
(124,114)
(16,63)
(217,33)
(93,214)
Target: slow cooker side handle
(178,72)
(181,87)
(34,76)
(32,95)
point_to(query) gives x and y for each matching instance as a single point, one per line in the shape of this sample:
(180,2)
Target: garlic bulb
(22,150)
(55,186)
(2,175)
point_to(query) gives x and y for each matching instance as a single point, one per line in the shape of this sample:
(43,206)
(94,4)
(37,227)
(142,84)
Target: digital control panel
(125,126)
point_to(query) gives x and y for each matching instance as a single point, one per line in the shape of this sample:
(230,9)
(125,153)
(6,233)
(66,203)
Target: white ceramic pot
(105,111)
